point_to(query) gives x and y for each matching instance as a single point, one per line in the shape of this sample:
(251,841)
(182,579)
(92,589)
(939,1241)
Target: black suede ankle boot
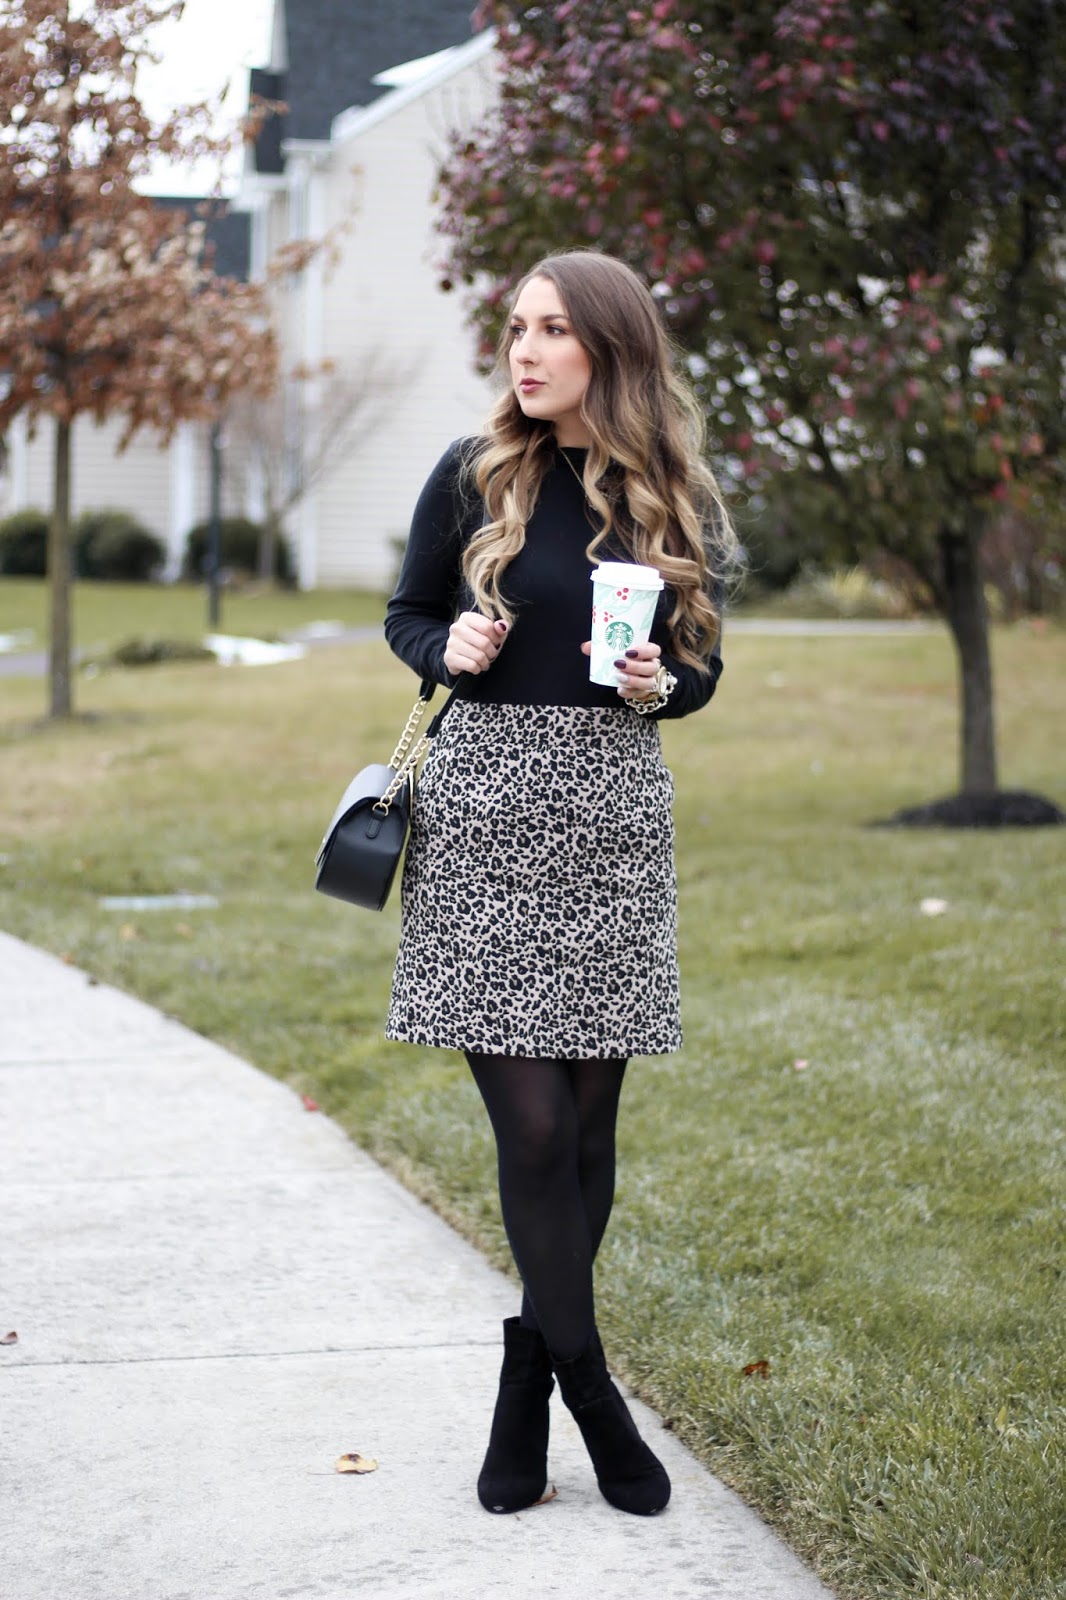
(515,1472)
(630,1476)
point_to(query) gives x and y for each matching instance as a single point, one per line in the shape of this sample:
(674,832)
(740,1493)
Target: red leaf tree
(108,303)
(853,216)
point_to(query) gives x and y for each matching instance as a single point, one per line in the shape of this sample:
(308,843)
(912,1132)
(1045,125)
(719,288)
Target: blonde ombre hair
(645,477)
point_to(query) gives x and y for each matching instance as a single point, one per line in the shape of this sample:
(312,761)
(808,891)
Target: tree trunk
(268,544)
(213,561)
(59,565)
(967,616)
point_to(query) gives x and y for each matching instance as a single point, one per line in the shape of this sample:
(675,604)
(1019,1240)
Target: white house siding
(167,489)
(382,305)
(137,481)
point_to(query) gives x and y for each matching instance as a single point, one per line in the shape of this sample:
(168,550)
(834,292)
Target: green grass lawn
(105,614)
(884,1225)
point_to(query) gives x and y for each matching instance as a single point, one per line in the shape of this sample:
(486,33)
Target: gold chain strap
(403,774)
(405,758)
(409,732)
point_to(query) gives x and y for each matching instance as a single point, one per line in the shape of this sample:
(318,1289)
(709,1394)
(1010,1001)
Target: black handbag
(361,850)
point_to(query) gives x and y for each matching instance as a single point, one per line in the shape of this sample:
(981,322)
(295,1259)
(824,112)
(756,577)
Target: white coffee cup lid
(622,575)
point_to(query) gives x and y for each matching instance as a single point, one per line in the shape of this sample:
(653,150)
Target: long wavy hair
(645,476)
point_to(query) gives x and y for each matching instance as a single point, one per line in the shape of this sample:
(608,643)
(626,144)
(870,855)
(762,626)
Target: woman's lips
(527,385)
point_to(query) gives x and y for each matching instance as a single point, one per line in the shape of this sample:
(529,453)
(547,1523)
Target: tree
(108,304)
(853,215)
(296,435)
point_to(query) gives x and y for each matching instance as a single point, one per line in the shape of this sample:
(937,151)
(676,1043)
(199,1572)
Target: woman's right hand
(474,642)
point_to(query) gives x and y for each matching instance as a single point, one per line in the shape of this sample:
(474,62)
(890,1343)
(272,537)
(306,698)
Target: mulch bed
(1005,808)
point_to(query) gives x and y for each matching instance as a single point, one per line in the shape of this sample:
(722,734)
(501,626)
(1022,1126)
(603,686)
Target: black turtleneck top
(547,584)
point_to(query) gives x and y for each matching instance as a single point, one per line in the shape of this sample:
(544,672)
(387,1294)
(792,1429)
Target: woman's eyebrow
(547,316)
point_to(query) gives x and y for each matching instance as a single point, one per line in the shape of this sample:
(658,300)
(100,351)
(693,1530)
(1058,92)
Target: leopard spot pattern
(539,899)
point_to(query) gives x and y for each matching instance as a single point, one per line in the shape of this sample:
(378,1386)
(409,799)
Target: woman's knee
(541,1143)
(596,1147)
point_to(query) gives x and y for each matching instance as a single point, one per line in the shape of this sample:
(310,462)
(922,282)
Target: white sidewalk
(216,1295)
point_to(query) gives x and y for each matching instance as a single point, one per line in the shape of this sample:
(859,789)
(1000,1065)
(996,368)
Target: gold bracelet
(665,684)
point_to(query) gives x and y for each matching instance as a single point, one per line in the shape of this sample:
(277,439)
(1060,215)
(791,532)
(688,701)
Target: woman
(539,898)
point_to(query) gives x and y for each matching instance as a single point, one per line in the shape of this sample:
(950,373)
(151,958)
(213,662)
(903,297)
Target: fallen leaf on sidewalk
(756,1369)
(309,1104)
(10,1338)
(354,1462)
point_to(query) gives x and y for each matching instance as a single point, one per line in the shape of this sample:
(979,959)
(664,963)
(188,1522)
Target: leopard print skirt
(539,901)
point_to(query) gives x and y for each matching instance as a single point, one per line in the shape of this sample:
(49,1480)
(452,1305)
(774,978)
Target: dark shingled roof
(336,47)
(230,232)
(270,86)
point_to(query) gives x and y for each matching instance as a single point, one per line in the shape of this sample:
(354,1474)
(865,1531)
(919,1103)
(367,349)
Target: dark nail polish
(632,654)
(621,665)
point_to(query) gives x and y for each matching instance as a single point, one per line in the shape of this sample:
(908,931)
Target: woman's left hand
(636,670)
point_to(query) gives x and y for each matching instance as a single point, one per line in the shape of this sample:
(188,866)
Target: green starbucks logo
(619,635)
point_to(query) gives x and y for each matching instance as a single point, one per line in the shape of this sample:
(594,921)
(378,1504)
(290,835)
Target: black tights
(554,1123)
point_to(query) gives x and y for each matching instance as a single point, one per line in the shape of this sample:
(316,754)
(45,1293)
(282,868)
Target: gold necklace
(581,483)
(573,469)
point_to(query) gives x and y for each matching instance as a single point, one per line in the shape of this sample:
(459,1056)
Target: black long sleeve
(548,585)
(425,603)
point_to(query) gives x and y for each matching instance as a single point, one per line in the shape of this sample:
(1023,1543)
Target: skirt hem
(492,1047)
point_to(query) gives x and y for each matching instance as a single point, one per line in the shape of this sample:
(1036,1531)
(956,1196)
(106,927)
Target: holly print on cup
(624,598)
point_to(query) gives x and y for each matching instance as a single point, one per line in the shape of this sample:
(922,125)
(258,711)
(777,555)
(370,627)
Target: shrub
(847,594)
(155,652)
(106,544)
(24,544)
(240,551)
(112,544)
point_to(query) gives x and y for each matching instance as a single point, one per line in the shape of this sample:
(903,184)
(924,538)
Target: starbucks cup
(624,598)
